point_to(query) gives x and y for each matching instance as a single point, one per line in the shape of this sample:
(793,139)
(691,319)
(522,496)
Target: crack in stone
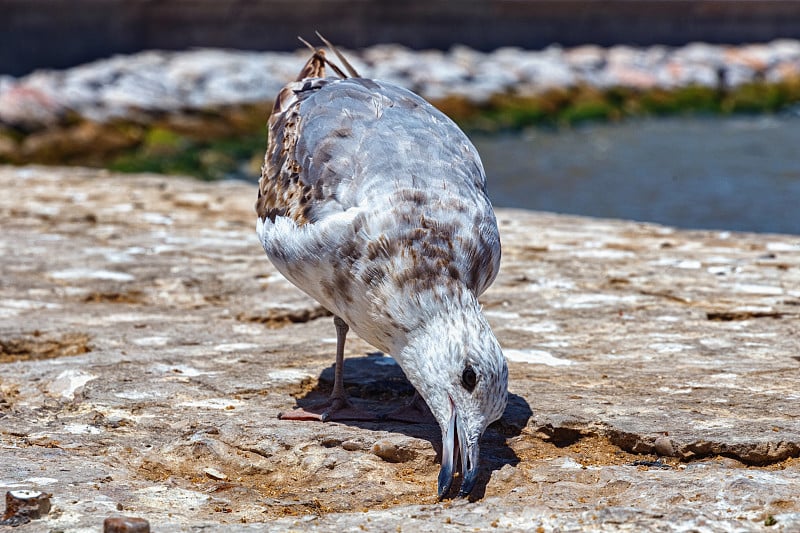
(278,318)
(728,316)
(758,454)
(750,453)
(34,346)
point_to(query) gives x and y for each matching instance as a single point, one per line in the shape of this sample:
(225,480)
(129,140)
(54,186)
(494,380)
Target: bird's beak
(454,440)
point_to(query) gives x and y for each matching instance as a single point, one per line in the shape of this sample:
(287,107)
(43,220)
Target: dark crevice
(752,454)
(729,316)
(758,454)
(278,318)
(36,346)
(561,436)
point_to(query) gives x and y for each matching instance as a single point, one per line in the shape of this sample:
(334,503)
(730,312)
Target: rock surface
(143,86)
(147,345)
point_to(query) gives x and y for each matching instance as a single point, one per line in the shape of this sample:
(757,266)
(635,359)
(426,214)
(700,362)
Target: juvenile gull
(374,203)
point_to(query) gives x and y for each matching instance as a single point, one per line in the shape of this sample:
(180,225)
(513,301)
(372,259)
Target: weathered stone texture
(147,345)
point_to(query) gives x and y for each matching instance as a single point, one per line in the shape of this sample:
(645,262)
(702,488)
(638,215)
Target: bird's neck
(449,327)
(430,318)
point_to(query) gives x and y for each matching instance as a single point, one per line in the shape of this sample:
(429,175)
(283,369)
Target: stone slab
(147,345)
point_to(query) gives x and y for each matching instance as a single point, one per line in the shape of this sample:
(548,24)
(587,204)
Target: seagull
(374,203)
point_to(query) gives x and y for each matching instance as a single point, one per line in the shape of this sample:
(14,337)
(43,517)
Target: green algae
(167,152)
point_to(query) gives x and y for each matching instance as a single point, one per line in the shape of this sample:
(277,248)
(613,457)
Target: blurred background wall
(63,33)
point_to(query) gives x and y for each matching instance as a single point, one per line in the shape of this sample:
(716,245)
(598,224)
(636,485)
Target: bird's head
(460,371)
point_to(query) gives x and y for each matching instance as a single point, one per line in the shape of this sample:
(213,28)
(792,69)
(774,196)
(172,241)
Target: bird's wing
(333,140)
(357,144)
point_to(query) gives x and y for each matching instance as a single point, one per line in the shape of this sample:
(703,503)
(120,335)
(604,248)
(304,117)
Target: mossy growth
(682,100)
(757,97)
(510,113)
(166,152)
(567,107)
(589,105)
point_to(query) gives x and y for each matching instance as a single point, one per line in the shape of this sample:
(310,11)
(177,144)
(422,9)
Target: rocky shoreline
(94,112)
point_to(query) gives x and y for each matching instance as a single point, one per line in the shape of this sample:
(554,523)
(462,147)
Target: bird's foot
(331,410)
(414,412)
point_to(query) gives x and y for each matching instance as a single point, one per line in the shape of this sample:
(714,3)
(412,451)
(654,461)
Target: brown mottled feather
(280,190)
(314,67)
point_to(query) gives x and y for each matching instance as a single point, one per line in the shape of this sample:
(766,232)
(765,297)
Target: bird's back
(339,143)
(408,181)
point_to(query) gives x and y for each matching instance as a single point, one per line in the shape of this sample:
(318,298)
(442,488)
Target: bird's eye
(469,379)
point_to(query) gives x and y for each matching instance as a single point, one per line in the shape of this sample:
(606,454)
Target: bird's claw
(333,409)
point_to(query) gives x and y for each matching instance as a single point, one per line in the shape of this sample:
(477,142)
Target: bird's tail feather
(347,66)
(315,66)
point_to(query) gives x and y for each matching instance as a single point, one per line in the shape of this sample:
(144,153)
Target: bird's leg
(338,395)
(414,412)
(337,407)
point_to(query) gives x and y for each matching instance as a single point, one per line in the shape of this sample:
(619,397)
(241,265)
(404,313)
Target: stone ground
(147,345)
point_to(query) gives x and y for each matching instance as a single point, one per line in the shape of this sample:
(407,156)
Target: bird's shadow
(377,384)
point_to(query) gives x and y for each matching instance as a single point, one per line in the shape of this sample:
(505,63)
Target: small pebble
(330,442)
(125,524)
(391,452)
(22,506)
(213,473)
(663,446)
(351,445)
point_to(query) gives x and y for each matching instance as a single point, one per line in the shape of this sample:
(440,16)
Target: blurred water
(716,173)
